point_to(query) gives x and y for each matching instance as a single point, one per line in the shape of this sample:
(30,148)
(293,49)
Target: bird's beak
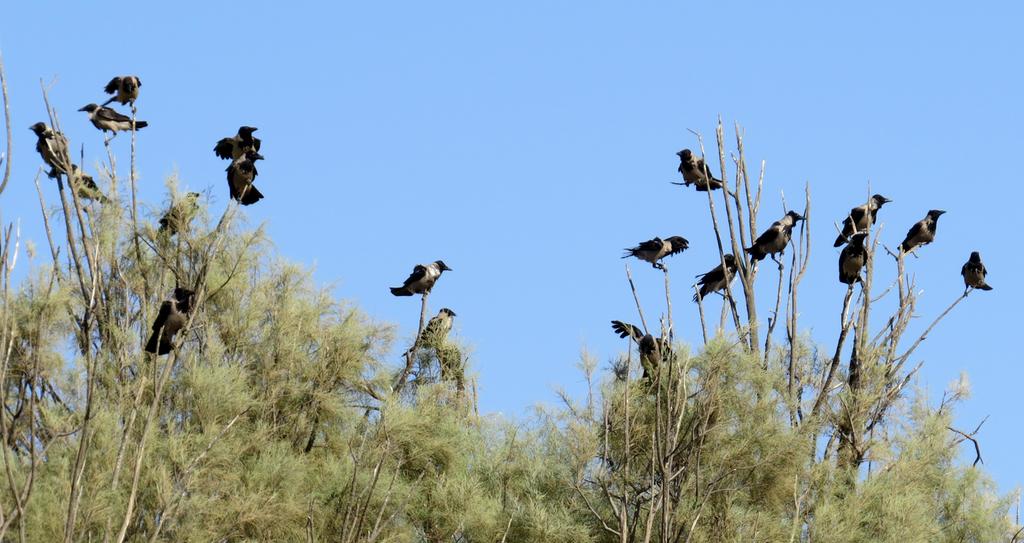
(82,108)
(259,156)
(446,268)
(885,200)
(453,313)
(800,217)
(941,212)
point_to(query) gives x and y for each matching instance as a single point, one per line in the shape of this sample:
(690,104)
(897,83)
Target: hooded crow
(172,317)
(180,214)
(717,279)
(974,272)
(422,279)
(775,238)
(652,350)
(861,217)
(85,185)
(853,257)
(105,119)
(236,146)
(655,249)
(125,90)
(923,232)
(53,147)
(437,328)
(241,174)
(696,172)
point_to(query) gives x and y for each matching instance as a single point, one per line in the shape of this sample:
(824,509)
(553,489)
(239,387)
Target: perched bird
(775,238)
(654,250)
(180,214)
(974,272)
(436,331)
(696,172)
(241,174)
(853,257)
(172,317)
(923,232)
(652,350)
(236,146)
(105,119)
(717,279)
(53,147)
(85,185)
(422,279)
(125,89)
(861,217)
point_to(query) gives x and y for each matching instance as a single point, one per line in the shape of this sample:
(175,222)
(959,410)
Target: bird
(652,350)
(241,174)
(422,279)
(853,257)
(237,145)
(775,238)
(105,119)
(858,218)
(125,89)
(436,331)
(85,185)
(696,172)
(53,147)
(180,214)
(974,272)
(923,232)
(172,317)
(716,279)
(654,250)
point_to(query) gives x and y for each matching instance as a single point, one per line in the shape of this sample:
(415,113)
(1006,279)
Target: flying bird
(923,232)
(652,350)
(654,250)
(775,238)
(85,185)
(107,119)
(853,257)
(861,217)
(422,279)
(172,318)
(696,172)
(974,272)
(717,279)
(53,147)
(237,145)
(180,214)
(241,174)
(125,89)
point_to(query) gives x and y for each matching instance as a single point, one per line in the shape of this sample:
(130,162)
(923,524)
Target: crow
(923,232)
(85,185)
(236,146)
(53,147)
(775,238)
(180,214)
(105,119)
(652,350)
(241,174)
(858,219)
(172,317)
(716,279)
(696,172)
(974,273)
(422,279)
(655,249)
(125,89)
(853,257)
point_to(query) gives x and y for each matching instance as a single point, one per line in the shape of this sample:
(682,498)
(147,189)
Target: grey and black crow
(974,272)
(654,250)
(241,174)
(923,232)
(861,217)
(125,89)
(775,238)
(853,257)
(180,214)
(696,172)
(237,145)
(85,185)
(172,317)
(652,350)
(436,331)
(422,279)
(717,279)
(105,119)
(53,147)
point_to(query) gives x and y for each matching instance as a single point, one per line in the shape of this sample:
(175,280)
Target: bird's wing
(650,245)
(224,148)
(768,235)
(256,144)
(914,231)
(165,313)
(113,86)
(711,276)
(110,115)
(676,249)
(627,330)
(419,272)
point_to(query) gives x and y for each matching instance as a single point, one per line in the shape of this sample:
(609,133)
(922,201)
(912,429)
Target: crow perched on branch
(180,214)
(696,172)
(861,217)
(172,317)
(85,185)
(237,145)
(53,147)
(652,350)
(923,232)
(974,272)
(717,279)
(853,257)
(422,279)
(655,249)
(105,119)
(775,238)
(125,89)
(241,174)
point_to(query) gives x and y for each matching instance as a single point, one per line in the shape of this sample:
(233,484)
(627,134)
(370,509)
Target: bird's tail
(755,252)
(400,291)
(250,195)
(112,98)
(985,286)
(905,247)
(840,240)
(141,124)
(628,253)
(151,345)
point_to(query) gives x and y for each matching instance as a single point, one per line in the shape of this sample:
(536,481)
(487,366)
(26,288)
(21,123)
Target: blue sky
(526,144)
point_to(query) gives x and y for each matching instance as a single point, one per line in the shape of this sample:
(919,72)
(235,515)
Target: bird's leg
(658,266)
(777,262)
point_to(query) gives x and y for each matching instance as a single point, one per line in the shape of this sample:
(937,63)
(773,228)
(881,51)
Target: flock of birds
(243,148)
